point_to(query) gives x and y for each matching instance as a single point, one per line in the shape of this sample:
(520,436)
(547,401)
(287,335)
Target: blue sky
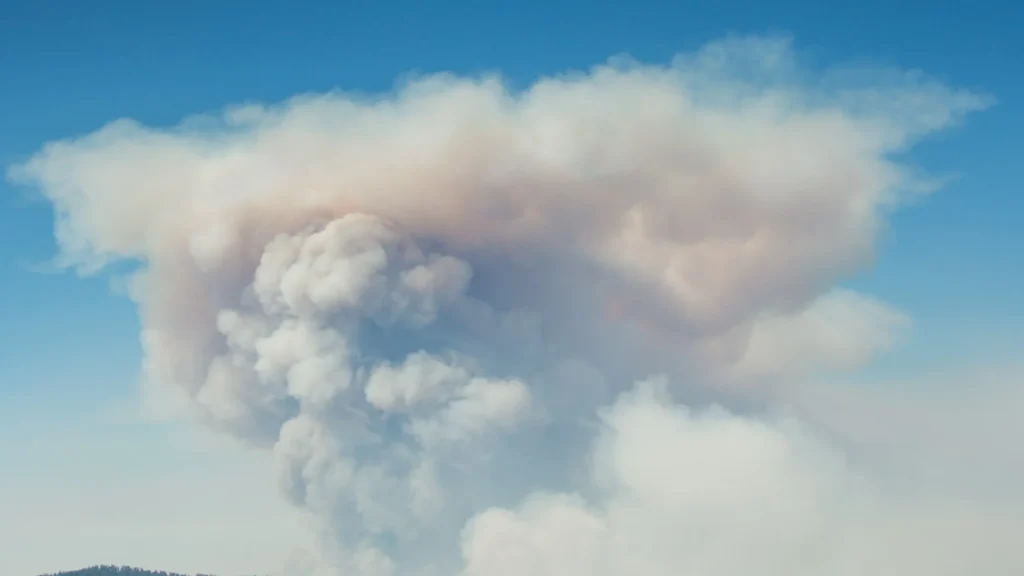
(69,351)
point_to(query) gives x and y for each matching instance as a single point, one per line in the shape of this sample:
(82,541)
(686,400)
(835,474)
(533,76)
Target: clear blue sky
(69,352)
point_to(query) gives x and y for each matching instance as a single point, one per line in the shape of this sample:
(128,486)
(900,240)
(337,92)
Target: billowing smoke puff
(433,308)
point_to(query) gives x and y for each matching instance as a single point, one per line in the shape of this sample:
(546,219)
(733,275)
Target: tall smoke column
(433,307)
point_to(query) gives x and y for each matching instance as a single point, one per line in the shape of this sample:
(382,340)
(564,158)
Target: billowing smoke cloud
(434,308)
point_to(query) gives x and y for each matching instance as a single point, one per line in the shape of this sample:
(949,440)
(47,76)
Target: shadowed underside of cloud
(434,308)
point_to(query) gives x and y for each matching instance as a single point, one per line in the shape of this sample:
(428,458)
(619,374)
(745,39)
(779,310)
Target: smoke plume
(572,329)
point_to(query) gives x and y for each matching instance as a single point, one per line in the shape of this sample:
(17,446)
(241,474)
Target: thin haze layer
(432,307)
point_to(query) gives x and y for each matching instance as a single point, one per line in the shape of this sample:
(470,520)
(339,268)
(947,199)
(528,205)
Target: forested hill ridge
(118,571)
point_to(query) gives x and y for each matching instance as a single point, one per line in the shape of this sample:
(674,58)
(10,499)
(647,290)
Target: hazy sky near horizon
(86,478)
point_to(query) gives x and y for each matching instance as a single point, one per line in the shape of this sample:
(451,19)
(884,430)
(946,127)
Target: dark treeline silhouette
(116,571)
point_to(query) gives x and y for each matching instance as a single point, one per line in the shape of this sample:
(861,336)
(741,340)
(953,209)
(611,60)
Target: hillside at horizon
(108,570)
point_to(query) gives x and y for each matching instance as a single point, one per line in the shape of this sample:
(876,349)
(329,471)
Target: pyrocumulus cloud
(570,330)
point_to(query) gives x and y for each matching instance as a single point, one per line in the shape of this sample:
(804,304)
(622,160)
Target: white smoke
(715,493)
(432,307)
